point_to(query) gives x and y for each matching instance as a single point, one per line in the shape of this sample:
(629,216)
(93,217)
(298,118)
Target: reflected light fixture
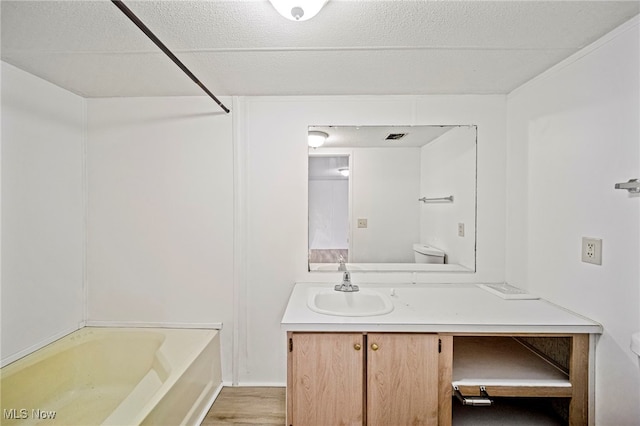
(316,138)
(298,10)
(344,171)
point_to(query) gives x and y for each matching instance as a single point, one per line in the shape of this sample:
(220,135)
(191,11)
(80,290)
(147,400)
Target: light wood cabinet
(360,378)
(402,379)
(325,379)
(381,379)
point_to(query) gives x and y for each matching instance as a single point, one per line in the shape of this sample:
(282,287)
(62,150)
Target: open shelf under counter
(506,367)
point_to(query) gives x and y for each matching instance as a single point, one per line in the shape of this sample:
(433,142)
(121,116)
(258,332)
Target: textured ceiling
(244,47)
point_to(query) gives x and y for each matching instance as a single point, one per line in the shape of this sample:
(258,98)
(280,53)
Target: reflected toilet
(426,254)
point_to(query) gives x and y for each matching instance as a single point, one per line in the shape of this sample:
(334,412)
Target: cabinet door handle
(374,347)
(357,346)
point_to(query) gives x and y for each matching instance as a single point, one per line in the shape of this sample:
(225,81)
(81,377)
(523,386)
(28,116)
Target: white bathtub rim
(67,341)
(11,358)
(147,324)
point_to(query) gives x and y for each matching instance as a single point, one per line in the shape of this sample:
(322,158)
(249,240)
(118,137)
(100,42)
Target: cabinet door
(402,379)
(326,379)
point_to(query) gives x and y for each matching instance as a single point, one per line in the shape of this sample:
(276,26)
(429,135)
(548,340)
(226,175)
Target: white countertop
(454,308)
(390,267)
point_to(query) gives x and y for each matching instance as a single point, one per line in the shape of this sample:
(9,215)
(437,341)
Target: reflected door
(328,209)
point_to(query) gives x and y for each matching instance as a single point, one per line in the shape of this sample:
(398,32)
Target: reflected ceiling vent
(395,136)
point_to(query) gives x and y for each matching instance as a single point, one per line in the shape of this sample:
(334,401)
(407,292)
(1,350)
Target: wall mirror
(392,198)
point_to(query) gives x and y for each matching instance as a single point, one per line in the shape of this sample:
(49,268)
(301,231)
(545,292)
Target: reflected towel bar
(437,200)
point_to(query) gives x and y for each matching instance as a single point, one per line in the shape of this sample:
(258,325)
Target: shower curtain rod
(164,48)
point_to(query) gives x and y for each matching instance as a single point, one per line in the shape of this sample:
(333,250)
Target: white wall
(448,167)
(385,188)
(573,133)
(42,212)
(160,216)
(273,219)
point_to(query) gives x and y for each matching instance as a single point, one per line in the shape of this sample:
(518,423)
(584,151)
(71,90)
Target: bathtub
(115,376)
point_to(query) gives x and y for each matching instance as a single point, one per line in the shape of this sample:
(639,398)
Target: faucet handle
(346,283)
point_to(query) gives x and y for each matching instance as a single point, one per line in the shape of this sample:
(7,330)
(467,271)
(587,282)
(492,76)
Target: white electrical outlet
(362,223)
(592,250)
(461,230)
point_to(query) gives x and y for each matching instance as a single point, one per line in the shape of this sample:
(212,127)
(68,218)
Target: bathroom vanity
(445,354)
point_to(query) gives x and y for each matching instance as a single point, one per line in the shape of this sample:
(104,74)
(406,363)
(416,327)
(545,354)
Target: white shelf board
(502,361)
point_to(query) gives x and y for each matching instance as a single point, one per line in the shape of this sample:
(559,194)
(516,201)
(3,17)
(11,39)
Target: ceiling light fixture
(298,10)
(316,138)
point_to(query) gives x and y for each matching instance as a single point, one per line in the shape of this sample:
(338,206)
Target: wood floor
(247,406)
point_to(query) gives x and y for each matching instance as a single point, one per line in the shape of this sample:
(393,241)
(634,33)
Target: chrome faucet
(346,284)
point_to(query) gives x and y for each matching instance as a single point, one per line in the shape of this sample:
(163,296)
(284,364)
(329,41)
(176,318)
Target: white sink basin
(363,303)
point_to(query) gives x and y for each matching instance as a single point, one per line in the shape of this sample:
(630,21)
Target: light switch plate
(460,229)
(362,223)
